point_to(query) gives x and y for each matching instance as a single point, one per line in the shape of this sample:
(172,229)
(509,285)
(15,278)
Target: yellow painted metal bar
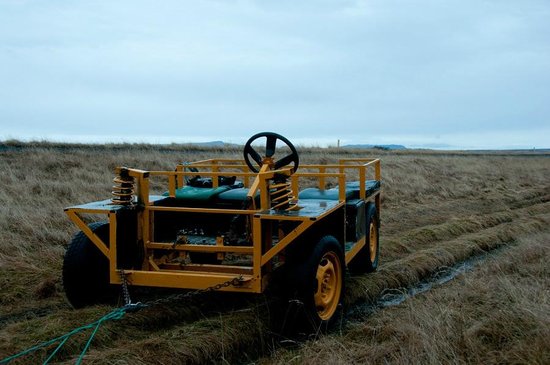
(215,169)
(317,174)
(219,244)
(224,269)
(322,171)
(229,161)
(203,162)
(168,173)
(261,184)
(179,168)
(146,224)
(254,188)
(189,280)
(153,264)
(208,169)
(245,250)
(200,210)
(88,211)
(342,188)
(376,164)
(217,160)
(270,174)
(247,176)
(143,191)
(362,164)
(318,166)
(204,173)
(341,193)
(355,249)
(137,173)
(294,185)
(88,232)
(362,182)
(172,186)
(289,238)
(235,160)
(357,160)
(257,256)
(143,184)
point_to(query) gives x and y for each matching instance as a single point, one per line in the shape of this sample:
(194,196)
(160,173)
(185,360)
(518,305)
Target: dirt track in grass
(438,209)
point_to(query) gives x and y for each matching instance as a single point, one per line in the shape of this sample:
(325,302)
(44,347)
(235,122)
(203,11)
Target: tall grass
(438,208)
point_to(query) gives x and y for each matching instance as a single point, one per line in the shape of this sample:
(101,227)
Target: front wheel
(320,285)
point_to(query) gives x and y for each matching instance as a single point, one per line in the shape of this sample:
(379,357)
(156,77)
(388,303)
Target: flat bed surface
(311,208)
(107,205)
(103,205)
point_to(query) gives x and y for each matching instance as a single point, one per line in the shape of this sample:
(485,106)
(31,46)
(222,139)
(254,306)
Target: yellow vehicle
(232,222)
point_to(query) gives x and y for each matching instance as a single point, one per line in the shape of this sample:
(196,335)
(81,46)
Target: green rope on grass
(114,315)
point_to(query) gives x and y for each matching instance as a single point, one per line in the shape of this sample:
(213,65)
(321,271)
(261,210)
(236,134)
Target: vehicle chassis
(269,231)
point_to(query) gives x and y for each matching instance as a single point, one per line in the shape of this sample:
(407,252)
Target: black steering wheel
(270,147)
(188,179)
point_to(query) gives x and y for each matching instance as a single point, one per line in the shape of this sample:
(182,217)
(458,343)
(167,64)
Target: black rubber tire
(86,270)
(362,262)
(308,318)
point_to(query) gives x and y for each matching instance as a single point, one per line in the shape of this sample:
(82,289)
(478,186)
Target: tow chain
(125,291)
(116,314)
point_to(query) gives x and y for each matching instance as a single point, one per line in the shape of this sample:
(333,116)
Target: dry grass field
(438,209)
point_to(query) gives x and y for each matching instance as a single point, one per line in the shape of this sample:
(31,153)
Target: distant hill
(210,144)
(379,146)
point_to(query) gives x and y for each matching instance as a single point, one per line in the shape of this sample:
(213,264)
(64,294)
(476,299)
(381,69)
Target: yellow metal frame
(158,273)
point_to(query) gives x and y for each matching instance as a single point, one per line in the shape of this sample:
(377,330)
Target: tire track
(30,313)
(415,266)
(417,239)
(403,218)
(394,296)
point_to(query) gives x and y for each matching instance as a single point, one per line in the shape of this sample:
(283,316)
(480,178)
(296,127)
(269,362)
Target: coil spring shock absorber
(281,194)
(123,190)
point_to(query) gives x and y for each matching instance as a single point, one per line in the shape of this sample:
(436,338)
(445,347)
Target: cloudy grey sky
(447,74)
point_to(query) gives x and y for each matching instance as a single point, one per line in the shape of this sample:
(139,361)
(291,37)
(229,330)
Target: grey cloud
(360,70)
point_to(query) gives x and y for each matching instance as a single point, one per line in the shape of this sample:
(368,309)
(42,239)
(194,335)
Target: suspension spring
(281,195)
(123,190)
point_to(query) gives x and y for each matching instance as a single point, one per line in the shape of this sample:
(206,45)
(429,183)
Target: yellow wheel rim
(373,241)
(329,285)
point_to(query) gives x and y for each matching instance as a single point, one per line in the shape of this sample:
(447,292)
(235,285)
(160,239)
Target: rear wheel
(366,259)
(86,270)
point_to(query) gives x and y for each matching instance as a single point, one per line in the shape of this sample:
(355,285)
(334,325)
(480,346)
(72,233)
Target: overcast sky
(444,74)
